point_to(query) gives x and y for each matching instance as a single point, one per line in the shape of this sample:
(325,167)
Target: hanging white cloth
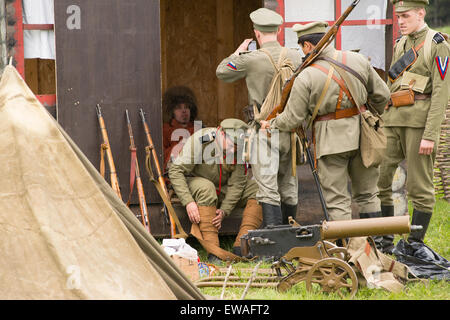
(39,43)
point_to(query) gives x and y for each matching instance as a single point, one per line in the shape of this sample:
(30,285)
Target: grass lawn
(437,238)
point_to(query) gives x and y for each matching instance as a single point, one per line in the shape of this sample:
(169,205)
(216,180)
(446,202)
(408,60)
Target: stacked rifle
(135,176)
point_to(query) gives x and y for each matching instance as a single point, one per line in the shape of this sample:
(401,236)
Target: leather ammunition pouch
(402,64)
(402,98)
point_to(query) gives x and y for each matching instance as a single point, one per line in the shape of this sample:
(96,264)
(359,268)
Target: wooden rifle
(106,147)
(310,158)
(159,182)
(309,59)
(136,173)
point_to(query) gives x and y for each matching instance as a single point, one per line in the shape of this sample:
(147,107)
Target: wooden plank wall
(113,59)
(40,75)
(195,37)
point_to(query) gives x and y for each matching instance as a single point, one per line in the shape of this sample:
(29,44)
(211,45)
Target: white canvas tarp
(38,43)
(63,232)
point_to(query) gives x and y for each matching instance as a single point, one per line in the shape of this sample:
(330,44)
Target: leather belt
(417,96)
(342,113)
(422,96)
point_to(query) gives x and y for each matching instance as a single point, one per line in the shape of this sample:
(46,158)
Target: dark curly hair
(176,95)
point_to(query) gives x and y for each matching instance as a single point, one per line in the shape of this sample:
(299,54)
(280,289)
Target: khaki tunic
(195,175)
(407,126)
(334,136)
(337,141)
(430,113)
(276,184)
(256,68)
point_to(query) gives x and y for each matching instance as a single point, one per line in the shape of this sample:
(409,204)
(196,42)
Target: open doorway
(195,37)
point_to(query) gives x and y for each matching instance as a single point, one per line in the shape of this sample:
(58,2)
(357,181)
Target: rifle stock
(139,186)
(106,147)
(160,183)
(323,43)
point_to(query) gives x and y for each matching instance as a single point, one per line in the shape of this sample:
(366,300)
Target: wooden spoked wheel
(332,275)
(335,251)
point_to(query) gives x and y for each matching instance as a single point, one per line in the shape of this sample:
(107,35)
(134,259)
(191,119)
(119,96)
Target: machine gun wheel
(332,275)
(292,279)
(335,251)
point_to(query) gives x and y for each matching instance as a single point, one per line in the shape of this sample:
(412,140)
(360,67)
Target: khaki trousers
(334,171)
(403,143)
(204,192)
(271,161)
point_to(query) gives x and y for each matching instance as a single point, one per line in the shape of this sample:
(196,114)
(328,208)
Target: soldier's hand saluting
(243,47)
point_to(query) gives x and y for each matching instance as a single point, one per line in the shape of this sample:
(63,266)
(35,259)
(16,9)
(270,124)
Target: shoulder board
(438,38)
(208,137)
(398,39)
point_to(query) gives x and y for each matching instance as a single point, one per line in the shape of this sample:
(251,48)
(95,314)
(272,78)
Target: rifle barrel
(321,45)
(160,179)
(107,148)
(139,185)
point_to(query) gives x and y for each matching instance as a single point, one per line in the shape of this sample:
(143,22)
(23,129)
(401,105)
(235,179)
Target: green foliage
(438,13)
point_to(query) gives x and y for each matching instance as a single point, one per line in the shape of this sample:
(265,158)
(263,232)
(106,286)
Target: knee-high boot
(377,239)
(419,218)
(288,210)
(271,214)
(388,240)
(251,220)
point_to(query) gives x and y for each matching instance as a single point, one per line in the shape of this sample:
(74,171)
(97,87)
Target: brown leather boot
(210,233)
(251,220)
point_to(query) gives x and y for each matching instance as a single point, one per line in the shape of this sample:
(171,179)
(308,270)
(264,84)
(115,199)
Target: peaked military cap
(310,28)
(402,6)
(266,20)
(234,128)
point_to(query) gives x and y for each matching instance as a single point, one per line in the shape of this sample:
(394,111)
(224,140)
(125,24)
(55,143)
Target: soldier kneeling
(210,179)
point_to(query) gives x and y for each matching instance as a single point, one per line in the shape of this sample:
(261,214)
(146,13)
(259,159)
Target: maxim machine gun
(307,253)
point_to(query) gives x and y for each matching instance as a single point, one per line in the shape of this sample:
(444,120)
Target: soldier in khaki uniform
(277,187)
(413,128)
(336,126)
(210,183)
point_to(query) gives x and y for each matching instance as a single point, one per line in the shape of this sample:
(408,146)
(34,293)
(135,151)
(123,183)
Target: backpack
(284,69)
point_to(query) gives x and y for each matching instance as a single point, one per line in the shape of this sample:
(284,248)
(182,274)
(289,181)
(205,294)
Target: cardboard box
(189,267)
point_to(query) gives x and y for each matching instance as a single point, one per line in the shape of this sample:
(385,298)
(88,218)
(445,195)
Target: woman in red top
(181,109)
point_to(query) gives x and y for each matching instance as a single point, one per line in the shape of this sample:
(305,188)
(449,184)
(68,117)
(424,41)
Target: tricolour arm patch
(232,66)
(442,64)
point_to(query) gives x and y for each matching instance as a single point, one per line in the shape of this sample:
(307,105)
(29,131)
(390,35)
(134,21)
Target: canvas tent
(63,232)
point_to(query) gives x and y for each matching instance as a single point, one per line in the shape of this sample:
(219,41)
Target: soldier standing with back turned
(320,96)
(413,127)
(277,192)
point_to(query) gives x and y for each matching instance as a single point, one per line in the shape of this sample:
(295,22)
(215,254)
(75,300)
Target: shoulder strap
(341,70)
(280,59)
(400,45)
(427,48)
(270,58)
(346,68)
(322,95)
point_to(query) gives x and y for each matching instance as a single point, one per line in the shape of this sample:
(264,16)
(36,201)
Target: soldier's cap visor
(403,6)
(271,28)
